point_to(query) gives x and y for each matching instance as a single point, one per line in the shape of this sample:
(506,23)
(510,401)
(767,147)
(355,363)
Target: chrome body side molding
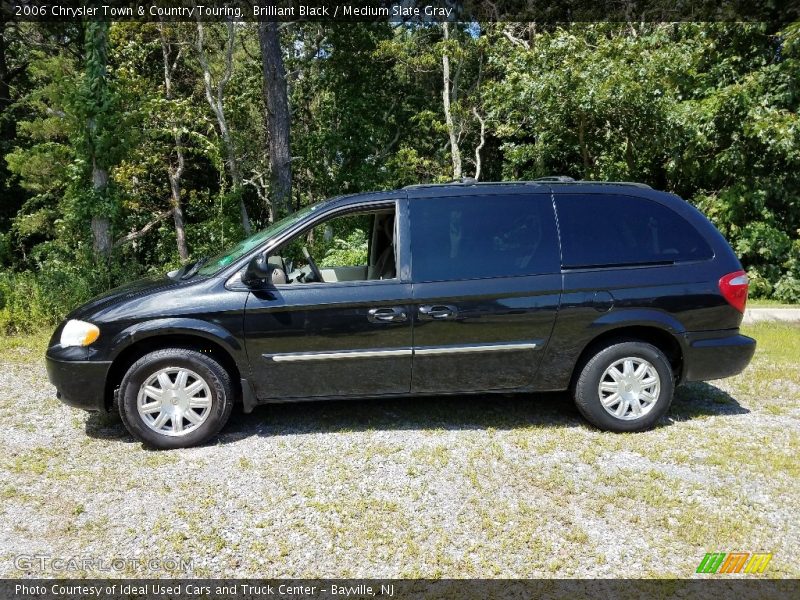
(392,352)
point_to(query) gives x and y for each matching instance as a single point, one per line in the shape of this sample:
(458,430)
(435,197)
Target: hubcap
(629,388)
(174,401)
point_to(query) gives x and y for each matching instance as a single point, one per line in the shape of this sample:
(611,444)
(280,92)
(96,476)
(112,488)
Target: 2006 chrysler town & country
(614,291)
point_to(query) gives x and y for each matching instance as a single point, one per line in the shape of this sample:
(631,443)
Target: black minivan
(613,291)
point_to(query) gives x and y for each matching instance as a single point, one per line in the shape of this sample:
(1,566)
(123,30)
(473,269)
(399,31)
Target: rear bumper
(716,354)
(80,384)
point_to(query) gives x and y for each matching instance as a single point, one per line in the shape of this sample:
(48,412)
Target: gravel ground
(460,487)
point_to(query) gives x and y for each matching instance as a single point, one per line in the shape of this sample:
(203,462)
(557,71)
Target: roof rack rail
(630,183)
(556,178)
(565,179)
(465,181)
(461,181)
(553,179)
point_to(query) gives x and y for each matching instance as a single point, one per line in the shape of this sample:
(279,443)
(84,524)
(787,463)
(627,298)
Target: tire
(616,367)
(195,383)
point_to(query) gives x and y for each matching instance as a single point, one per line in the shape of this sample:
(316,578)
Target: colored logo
(734,562)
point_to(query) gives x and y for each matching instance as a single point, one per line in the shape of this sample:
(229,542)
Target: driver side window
(356,246)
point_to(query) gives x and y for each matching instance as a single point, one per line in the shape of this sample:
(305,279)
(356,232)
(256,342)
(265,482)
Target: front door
(486,289)
(346,335)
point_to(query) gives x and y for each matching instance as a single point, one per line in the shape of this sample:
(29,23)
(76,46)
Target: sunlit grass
(777,342)
(765,303)
(24,348)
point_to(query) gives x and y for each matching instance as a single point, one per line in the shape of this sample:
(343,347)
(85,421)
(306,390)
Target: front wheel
(175,398)
(627,386)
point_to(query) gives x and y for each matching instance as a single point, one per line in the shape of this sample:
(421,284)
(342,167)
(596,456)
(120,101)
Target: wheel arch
(187,340)
(662,339)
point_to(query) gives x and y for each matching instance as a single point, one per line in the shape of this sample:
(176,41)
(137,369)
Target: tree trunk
(587,159)
(5,93)
(480,145)
(101,233)
(276,103)
(96,62)
(218,108)
(455,152)
(101,224)
(630,159)
(174,171)
(180,224)
(7,126)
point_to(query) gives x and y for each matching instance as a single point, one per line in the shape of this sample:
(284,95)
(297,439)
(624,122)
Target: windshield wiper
(192,271)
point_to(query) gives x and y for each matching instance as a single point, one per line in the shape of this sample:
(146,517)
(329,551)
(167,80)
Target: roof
(470,187)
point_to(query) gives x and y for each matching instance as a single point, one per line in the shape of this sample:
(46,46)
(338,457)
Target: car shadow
(466,412)
(701,399)
(106,426)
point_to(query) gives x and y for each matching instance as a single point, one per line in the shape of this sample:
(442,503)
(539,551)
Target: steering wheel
(314,268)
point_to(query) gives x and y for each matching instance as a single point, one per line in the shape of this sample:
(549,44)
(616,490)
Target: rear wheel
(627,386)
(175,398)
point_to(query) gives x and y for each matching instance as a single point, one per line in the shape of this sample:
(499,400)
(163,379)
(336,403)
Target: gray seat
(384,267)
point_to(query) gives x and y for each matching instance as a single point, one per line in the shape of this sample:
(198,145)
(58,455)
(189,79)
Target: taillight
(734,288)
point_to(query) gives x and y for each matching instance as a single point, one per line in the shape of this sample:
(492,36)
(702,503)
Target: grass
(766,303)
(777,342)
(479,487)
(434,457)
(24,348)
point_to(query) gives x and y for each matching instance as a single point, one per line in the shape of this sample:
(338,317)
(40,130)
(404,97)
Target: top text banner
(543,11)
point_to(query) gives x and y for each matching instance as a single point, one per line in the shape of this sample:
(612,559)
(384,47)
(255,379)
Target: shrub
(32,300)
(788,289)
(349,251)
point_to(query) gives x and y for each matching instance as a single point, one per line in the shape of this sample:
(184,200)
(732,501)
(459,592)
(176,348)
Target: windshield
(231,255)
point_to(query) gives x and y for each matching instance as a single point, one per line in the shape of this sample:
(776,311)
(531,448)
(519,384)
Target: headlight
(78,333)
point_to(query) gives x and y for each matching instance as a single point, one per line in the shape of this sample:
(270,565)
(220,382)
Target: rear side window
(472,237)
(600,230)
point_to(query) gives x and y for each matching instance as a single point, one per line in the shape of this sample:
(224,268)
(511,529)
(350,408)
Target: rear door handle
(386,315)
(437,312)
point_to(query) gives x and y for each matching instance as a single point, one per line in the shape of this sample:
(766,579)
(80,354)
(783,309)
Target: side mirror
(258,271)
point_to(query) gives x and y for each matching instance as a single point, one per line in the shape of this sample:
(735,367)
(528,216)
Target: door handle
(386,315)
(437,312)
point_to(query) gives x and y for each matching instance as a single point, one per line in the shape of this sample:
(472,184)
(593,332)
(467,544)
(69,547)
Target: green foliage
(217,224)
(706,110)
(29,301)
(347,252)
(32,299)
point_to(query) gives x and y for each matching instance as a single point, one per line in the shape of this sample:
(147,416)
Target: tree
(276,104)
(215,98)
(107,129)
(448,91)
(175,168)
(448,60)
(707,110)
(96,97)
(12,69)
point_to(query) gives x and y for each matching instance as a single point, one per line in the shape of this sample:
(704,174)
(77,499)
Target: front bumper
(716,354)
(79,383)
